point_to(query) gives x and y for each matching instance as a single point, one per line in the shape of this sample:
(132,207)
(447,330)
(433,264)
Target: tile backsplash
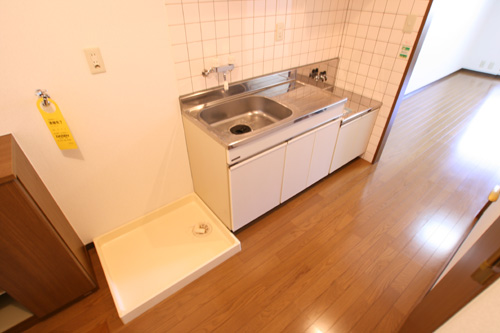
(210,33)
(366,36)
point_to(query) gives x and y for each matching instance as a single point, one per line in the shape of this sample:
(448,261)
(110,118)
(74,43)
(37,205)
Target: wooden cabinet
(255,185)
(44,265)
(308,158)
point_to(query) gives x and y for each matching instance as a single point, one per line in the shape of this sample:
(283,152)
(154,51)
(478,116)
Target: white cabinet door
(324,145)
(256,185)
(353,139)
(297,161)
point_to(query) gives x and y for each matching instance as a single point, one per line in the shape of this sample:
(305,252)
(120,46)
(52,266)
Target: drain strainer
(202,229)
(240,129)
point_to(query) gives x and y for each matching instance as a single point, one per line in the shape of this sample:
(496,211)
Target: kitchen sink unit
(252,150)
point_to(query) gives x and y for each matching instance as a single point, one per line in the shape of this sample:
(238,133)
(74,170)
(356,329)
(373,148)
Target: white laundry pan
(149,259)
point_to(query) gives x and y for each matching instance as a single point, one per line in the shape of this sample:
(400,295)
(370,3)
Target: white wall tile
(379,6)
(392,6)
(196,67)
(199,83)
(270,23)
(234,8)
(247,42)
(193,32)
(247,9)
(207,11)
(269,39)
(271,7)
(208,30)
(258,55)
(209,48)
(235,27)
(247,57)
(268,53)
(259,24)
(247,72)
(388,20)
(235,44)
(259,8)
(222,28)
(258,40)
(247,26)
(221,10)
(258,69)
(195,50)
(405,7)
(222,46)
(191,13)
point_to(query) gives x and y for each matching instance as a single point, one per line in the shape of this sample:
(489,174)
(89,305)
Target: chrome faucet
(322,76)
(220,69)
(317,77)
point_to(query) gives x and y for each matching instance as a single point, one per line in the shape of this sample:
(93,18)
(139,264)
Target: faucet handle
(207,71)
(322,76)
(314,73)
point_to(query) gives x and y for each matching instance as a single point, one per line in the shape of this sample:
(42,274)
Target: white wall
(132,156)
(453,28)
(484,52)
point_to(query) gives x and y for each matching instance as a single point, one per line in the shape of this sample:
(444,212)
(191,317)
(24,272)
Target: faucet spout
(226,84)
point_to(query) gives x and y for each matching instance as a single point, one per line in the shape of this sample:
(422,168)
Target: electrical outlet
(280,32)
(409,23)
(94,59)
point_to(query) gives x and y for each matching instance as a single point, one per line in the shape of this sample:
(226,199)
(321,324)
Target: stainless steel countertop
(303,100)
(356,105)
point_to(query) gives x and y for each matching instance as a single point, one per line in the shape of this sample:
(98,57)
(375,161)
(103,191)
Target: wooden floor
(353,253)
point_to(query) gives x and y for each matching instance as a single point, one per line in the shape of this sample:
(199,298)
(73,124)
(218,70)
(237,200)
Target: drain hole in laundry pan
(202,229)
(240,129)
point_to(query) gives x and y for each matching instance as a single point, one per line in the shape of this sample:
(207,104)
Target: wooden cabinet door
(256,185)
(37,268)
(297,162)
(322,154)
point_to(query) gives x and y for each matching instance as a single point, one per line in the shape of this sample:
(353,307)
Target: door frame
(422,33)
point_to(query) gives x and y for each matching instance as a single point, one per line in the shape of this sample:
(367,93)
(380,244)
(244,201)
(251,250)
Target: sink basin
(244,115)
(214,95)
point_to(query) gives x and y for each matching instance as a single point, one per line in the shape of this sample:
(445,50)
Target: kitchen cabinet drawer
(255,185)
(352,139)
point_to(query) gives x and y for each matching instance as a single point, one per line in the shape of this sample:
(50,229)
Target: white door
(324,145)
(297,161)
(255,185)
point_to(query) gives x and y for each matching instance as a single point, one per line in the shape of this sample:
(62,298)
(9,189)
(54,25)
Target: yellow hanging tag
(56,124)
